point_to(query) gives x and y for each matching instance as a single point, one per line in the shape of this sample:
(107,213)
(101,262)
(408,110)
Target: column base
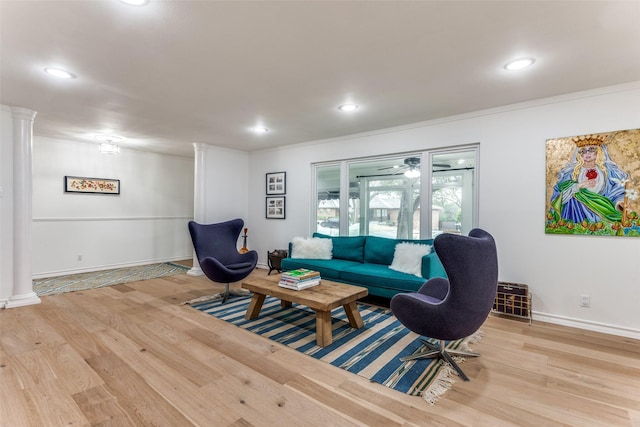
(22,300)
(195,271)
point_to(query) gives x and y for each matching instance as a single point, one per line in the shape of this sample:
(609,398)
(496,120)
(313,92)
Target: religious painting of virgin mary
(592,184)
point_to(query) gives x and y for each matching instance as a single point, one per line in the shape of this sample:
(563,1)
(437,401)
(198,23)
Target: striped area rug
(98,279)
(373,351)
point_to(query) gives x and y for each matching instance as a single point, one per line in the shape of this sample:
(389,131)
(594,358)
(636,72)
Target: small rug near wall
(98,279)
(373,351)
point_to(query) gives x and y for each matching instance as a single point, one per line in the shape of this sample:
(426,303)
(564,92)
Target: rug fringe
(474,338)
(446,377)
(440,385)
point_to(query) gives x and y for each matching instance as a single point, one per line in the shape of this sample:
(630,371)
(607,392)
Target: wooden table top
(324,297)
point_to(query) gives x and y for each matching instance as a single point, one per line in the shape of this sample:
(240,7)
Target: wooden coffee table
(322,298)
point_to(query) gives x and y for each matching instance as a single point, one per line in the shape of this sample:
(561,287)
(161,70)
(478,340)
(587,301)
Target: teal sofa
(365,260)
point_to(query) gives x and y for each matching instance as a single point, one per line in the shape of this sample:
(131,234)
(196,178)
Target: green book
(300,274)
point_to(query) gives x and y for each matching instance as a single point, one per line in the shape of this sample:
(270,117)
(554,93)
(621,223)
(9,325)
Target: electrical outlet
(585,300)
(79,257)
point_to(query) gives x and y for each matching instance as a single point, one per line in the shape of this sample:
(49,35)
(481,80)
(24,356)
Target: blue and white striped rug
(373,351)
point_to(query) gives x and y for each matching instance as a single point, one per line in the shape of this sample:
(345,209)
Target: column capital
(23,113)
(199,146)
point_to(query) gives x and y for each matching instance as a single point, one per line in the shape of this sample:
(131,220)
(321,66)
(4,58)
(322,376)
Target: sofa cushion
(346,247)
(381,276)
(314,248)
(328,268)
(380,250)
(407,258)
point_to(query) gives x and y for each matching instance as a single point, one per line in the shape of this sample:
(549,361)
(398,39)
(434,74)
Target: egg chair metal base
(435,351)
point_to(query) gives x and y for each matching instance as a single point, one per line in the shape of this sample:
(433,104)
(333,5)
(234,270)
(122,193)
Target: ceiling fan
(411,167)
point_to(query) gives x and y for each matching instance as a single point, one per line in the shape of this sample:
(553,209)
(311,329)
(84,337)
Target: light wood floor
(131,355)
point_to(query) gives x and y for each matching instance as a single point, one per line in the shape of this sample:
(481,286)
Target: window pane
(453,192)
(383,201)
(384,195)
(328,199)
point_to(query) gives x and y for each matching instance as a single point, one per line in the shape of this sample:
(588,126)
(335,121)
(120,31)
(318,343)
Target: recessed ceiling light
(348,107)
(59,73)
(260,129)
(519,64)
(135,2)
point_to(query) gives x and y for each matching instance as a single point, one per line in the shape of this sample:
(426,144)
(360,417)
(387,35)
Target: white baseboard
(107,267)
(587,325)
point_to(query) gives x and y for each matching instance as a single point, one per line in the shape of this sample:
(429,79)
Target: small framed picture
(277,183)
(275,208)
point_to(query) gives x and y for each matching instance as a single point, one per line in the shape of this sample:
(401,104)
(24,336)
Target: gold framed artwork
(592,184)
(77,184)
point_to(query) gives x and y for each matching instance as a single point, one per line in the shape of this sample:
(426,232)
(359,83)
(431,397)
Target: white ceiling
(173,73)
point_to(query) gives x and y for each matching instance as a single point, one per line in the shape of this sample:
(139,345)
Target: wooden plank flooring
(132,355)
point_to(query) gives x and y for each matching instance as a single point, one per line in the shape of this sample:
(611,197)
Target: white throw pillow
(407,258)
(313,248)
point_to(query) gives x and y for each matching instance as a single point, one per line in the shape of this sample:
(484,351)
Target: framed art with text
(276,183)
(77,184)
(275,208)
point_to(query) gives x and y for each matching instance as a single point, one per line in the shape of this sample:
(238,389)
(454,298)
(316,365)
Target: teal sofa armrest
(432,266)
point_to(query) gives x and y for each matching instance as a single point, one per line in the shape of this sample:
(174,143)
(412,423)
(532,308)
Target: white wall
(6,203)
(511,200)
(227,180)
(146,223)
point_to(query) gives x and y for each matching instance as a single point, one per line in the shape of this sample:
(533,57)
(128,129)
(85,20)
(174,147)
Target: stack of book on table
(301,278)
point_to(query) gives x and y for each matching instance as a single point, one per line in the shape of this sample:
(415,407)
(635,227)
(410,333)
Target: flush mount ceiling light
(108,145)
(519,64)
(259,129)
(59,73)
(135,2)
(348,107)
(108,148)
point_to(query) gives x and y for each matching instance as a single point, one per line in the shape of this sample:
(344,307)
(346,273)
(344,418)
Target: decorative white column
(199,196)
(22,218)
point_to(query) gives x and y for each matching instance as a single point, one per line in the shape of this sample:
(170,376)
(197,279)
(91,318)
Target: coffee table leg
(285,304)
(355,320)
(323,328)
(254,306)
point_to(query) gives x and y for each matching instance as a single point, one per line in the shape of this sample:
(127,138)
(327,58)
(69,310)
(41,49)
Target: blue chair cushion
(239,266)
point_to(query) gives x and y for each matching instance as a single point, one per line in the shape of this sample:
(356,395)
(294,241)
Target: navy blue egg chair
(217,252)
(455,307)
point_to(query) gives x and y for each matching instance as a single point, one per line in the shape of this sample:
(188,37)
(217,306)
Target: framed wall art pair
(276,188)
